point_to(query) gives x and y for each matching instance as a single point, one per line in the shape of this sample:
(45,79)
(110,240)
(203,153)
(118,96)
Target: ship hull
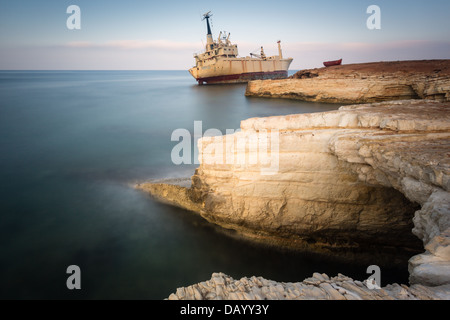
(240,70)
(243,77)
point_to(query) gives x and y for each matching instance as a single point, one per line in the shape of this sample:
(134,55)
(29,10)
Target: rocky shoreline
(375,174)
(317,287)
(362,83)
(381,161)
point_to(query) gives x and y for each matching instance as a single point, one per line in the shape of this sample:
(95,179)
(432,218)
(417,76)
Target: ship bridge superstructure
(222,48)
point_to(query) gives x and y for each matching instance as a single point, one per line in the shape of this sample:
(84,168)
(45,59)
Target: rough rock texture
(343,178)
(317,287)
(362,83)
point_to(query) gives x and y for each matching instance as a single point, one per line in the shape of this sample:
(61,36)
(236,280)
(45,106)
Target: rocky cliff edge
(362,83)
(363,175)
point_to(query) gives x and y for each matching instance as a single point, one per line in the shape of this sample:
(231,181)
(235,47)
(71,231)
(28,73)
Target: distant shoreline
(362,83)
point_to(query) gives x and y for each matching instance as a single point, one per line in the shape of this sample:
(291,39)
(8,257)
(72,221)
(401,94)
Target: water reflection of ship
(220,62)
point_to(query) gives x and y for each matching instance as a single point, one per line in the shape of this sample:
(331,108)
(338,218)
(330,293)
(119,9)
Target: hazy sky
(138,34)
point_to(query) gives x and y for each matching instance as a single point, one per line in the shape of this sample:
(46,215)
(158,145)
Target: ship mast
(280,53)
(209,38)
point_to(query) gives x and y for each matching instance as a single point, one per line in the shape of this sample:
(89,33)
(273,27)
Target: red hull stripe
(244,77)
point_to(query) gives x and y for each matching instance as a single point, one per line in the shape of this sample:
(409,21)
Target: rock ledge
(317,287)
(362,83)
(362,175)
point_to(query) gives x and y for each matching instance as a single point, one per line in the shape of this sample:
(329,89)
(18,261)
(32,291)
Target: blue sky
(139,34)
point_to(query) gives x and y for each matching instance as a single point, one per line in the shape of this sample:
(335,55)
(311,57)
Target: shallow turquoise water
(73,144)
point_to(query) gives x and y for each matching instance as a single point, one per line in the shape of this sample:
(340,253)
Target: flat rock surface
(362,83)
(430,67)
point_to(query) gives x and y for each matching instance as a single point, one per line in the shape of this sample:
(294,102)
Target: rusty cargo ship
(220,63)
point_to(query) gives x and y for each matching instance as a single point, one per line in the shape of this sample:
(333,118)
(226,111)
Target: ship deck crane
(260,56)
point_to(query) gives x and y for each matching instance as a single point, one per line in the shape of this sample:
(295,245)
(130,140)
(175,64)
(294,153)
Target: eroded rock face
(359,175)
(336,174)
(313,197)
(362,83)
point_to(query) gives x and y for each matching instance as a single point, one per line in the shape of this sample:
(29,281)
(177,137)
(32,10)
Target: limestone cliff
(362,83)
(358,176)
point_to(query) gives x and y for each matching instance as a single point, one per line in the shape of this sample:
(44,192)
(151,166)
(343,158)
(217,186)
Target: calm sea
(73,144)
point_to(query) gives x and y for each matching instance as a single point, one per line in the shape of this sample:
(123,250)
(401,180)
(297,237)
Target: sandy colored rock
(363,174)
(334,288)
(362,83)
(335,175)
